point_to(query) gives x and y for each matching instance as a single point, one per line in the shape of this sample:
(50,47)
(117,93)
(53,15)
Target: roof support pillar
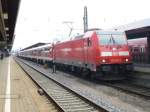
(148,45)
(2,25)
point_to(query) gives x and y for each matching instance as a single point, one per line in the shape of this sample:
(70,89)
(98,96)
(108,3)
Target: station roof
(8,17)
(136,29)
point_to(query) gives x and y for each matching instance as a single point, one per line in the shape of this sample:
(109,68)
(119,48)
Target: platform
(18,93)
(145,68)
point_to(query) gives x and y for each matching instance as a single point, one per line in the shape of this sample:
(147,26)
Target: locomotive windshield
(111,39)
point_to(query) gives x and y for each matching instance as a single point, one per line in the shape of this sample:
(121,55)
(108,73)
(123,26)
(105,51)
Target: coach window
(142,49)
(47,49)
(136,49)
(50,49)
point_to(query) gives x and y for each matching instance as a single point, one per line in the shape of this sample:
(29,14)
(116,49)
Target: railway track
(121,86)
(65,99)
(128,87)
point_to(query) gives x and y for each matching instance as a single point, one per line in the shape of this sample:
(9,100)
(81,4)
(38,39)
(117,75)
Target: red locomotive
(96,53)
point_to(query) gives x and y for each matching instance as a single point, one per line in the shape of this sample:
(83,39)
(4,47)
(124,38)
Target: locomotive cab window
(112,39)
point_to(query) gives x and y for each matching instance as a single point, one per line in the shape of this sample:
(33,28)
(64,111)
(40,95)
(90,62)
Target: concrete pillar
(148,43)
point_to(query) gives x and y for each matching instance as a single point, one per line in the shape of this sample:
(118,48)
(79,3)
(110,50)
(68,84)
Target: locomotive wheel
(85,73)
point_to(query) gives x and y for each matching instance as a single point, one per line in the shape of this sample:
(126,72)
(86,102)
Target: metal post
(85,20)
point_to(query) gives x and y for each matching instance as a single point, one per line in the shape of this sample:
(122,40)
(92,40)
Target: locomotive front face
(114,52)
(113,48)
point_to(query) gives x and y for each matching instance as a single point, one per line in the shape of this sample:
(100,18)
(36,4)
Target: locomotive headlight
(126,60)
(103,61)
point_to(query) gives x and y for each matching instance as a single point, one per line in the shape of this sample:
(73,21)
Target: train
(97,53)
(139,50)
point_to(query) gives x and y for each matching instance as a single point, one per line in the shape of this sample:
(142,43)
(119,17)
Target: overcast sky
(42,20)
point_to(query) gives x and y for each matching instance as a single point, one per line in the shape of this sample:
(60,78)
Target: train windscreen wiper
(112,40)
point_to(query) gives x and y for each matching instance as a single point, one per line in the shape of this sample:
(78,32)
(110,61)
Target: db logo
(115,54)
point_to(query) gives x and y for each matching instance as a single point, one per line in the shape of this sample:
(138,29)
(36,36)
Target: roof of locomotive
(91,32)
(101,32)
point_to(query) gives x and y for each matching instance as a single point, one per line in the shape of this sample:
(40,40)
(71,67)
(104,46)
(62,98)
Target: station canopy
(136,29)
(8,17)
